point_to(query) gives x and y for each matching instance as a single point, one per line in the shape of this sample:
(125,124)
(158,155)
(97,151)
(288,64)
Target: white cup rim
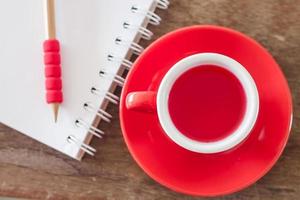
(251,110)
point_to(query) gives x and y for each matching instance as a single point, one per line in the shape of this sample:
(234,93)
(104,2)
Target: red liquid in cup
(207,103)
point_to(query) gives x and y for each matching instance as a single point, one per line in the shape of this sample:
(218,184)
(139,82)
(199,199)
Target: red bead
(53,84)
(51,46)
(54,96)
(52,58)
(53,71)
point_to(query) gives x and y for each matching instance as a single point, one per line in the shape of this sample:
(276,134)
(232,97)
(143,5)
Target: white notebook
(96,36)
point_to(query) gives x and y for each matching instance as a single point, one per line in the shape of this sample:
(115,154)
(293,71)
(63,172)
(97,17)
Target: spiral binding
(114,77)
(99,112)
(163,4)
(144,32)
(122,61)
(81,145)
(154,19)
(104,94)
(136,49)
(89,128)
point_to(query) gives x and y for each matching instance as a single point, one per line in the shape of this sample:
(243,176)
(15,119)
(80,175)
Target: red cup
(158,102)
(210,111)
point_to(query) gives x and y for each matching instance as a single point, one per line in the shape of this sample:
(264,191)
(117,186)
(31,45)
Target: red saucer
(207,174)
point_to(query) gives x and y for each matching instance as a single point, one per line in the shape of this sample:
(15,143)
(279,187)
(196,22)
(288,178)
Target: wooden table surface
(31,170)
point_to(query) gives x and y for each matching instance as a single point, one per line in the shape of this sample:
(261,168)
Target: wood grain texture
(31,170)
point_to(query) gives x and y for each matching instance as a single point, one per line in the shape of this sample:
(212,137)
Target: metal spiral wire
(137,49)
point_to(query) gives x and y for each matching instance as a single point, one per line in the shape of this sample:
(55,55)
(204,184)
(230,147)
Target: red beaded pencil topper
(52,60)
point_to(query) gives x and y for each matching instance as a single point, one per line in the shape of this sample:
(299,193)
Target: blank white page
(86,30)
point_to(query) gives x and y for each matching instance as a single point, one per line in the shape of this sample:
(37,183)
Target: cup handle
(142,101)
